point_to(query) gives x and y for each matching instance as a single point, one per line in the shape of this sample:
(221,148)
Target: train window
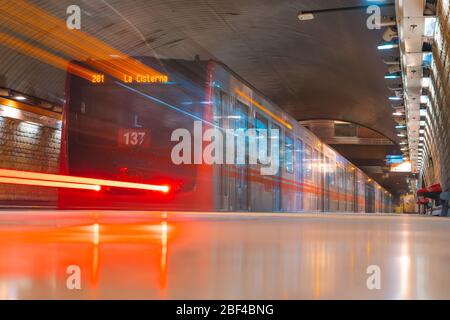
(299,165)
(261,122)
(316,165)
(340,179)
(327,169)
(348,179)
(240,116)
(307,164)
(218,112)
(240,121)
(277,135)
(221,112)
(299,159)
(262,125)
(289,154)
(332,173)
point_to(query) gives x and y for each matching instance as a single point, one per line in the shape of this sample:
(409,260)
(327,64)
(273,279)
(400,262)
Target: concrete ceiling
(327,68)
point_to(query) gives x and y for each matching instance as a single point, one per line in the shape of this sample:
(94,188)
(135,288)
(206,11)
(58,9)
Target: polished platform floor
(154,255)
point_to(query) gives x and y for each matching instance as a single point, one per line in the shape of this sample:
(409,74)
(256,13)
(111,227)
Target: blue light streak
(178,109)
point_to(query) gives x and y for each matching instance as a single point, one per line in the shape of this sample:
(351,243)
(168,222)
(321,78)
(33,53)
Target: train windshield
(118,129)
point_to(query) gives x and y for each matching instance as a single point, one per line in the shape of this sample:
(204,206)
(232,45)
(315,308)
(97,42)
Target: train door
(222,172)
(299,176)
(332,169)
(372,198)
(369,194)
(317,202)
(337,187)
(308,187)
(366,195)
(323,173)
(345,190)
(320,181)
(288,200)
(350,190)
(340,188)
(355,191)
(240,118)
(263,188)
(276,183)
(326,185)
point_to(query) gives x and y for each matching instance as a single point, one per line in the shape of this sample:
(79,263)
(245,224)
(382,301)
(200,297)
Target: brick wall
(26,146)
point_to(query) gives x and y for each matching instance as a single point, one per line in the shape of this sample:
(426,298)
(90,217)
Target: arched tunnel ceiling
(325,68)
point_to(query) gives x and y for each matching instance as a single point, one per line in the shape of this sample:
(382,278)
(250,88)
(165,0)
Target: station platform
(187,255)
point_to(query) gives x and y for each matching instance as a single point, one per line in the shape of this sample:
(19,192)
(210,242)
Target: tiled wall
(26,146)
(437,131)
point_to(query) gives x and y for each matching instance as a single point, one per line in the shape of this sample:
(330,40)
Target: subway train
(125,128)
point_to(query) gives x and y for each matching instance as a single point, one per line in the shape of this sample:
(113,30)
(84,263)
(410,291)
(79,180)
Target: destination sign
(128,78)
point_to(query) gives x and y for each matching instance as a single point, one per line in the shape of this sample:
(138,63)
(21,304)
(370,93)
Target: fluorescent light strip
(391,76)
(387,46)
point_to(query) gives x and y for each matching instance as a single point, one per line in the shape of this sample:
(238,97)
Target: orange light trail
(56,184)
(43,55)
(46,179)
(26,19)
(262,108)
(25,107)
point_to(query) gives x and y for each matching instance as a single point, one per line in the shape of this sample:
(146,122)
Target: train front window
(119,130)
(108,109)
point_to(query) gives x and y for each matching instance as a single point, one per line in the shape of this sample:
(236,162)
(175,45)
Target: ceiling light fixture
(387,46)
(304,16)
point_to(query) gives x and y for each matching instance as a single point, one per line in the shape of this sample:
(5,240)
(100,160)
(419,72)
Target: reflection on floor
(148,255)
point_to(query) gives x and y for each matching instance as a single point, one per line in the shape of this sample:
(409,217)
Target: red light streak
(50,180)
